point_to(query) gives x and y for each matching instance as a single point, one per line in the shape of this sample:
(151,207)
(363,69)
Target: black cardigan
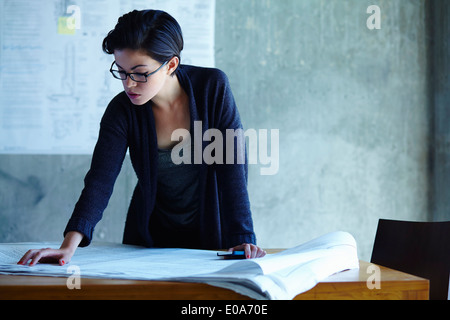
(225,216)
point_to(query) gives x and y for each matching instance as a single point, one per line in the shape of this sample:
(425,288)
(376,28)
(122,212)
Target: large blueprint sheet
(276,276)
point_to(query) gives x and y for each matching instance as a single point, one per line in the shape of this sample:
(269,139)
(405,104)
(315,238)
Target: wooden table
(352,285)
(347,285)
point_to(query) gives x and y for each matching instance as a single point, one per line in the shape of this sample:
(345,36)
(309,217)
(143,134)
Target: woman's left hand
(251,250)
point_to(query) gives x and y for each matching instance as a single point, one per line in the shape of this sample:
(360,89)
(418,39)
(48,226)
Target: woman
(187,205)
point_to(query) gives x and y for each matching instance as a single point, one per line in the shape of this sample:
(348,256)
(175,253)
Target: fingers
(27,256)
(41,255)
(251,250)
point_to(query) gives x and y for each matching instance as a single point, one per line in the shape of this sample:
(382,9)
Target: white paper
(54,77)
(276,276)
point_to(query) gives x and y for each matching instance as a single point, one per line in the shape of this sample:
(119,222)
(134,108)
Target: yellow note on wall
(66,26)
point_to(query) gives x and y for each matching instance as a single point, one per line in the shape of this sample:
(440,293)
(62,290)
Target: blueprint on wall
(54,77)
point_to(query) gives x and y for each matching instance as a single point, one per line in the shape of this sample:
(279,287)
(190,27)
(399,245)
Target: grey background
(362,116)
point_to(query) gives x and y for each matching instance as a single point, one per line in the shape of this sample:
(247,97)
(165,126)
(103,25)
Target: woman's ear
(173,65)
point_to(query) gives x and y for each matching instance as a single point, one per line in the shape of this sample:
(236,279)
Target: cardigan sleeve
(106,164)
(236,221)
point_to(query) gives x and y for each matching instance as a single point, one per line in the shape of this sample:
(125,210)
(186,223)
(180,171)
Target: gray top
(177,201)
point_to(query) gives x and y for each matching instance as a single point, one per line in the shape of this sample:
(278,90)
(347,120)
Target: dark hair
(153,31)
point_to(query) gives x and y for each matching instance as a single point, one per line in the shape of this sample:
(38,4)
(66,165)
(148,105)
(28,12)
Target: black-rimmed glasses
(135,76)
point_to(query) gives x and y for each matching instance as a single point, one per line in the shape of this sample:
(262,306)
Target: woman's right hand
(48,255)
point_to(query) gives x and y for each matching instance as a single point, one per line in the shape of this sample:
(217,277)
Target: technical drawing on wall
(54,77)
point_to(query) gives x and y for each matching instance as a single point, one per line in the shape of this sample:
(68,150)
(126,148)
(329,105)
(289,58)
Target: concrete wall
(352,106)
(350,103)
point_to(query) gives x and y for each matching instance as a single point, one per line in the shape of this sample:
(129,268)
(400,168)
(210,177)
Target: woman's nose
(128,82)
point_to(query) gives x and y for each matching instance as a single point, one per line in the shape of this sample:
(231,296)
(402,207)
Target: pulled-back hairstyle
(153,31)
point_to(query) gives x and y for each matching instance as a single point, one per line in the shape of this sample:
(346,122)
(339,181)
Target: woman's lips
(133,95)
